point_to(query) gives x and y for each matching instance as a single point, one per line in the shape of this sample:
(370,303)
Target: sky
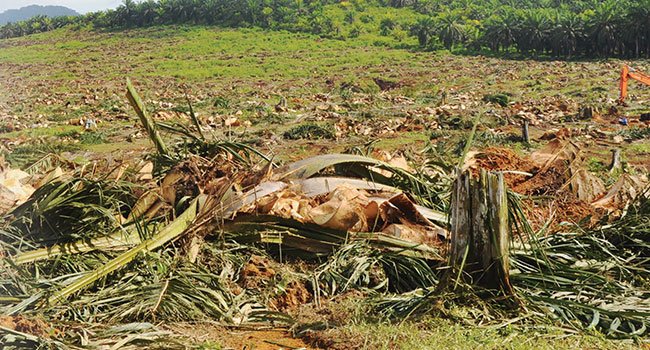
(81,6)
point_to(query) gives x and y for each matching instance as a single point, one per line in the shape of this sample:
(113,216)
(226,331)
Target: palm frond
(67,210)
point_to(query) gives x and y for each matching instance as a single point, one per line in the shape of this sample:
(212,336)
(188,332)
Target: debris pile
(555,177)
(218,231)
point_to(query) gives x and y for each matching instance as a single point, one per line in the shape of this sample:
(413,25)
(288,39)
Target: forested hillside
(27,12)
(557,28)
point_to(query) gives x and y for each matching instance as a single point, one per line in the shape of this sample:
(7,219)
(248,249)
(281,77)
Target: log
(479,231)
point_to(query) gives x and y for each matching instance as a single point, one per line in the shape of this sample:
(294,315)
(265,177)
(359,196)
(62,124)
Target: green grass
(639,148)
(411,138)
(55,130)
(457,329)
(244,53)
(437,333)
(252,53)
(230,62)
(92,138)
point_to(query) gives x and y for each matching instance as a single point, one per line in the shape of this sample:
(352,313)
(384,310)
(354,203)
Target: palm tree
(402,3)
(450,29)
(533,31)
(149,12)
(565,35)
(499,30)
(637,28)
(424,29)
(603,28)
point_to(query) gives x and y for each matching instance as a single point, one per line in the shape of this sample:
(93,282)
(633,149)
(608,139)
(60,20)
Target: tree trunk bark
(616,160)
(525,136)
(479,231)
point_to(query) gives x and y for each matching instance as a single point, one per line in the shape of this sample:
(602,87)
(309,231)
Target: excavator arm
(628,73)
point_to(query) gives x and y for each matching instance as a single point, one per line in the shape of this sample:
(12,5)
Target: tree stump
(587,112)
(479,230)
(525,136)
(615,164)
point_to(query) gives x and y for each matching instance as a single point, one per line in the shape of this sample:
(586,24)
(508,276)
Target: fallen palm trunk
(317,240)
(124,238)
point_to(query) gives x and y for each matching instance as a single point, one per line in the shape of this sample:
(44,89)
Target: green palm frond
(78,208)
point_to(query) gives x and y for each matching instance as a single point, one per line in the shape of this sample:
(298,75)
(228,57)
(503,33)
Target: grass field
(372,92)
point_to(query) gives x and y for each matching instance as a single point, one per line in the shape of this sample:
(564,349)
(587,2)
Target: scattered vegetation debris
(309,131)
(385,84)
(587,112)
(217,231)
(627,189)
(501,99)
(644,117)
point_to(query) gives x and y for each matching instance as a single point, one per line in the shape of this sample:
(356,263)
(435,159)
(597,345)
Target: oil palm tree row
(558,28)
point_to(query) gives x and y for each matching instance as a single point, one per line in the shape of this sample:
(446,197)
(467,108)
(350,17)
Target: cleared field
(54,77)
(295,95)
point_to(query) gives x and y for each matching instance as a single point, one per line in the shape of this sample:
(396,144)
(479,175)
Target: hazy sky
(79,5)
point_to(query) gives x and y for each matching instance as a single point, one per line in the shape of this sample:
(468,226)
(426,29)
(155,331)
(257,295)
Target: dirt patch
(502,159)
(321,325)
(578,211)
(560,210)
(546,182)
(295,294)
(31,326)
(241,338)
(335,339)
(561,134)
(257,272)
(328,320)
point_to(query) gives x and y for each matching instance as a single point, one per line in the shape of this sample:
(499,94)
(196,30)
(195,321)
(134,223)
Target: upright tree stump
(615,164)
(525,136)
(479,230)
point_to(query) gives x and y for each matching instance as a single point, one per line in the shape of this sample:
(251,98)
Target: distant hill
(28,12)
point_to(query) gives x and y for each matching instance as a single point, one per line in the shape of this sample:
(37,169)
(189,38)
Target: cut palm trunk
(479,230)
(615,164)
(525,135)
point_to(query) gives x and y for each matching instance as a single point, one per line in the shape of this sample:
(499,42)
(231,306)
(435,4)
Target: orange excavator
(628,73)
